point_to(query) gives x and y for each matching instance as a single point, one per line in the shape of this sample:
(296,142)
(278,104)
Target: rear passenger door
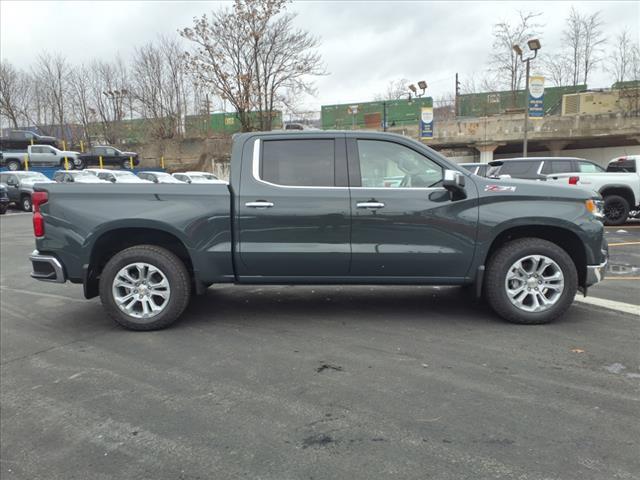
(552,167)
(293,209)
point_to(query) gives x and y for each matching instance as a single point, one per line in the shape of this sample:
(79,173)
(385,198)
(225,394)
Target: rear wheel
(616,210)
(126,164)
(3,209)
(13,165)
(80,164)
(25,203)
(530,281)
(145,287)
(68,164)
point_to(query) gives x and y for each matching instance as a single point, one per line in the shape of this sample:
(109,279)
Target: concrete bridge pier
(486,150)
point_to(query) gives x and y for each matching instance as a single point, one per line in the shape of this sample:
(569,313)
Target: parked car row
(619,183)
(17,186)
(42,155)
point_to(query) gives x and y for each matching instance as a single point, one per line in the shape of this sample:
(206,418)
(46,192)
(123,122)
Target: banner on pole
(426,122)
(536,97)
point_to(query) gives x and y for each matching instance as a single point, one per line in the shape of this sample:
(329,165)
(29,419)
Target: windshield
(123,174)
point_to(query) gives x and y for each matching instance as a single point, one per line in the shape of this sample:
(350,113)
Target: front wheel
(126,164)
(3,209)
(80,164)
(616,210)
(145,287)
(530,281)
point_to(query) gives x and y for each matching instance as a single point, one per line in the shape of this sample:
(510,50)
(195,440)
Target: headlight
(596,207)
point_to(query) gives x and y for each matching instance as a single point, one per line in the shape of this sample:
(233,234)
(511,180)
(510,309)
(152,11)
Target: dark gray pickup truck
(322,208)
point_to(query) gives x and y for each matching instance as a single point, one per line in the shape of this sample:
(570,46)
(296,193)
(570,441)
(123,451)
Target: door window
(390,165)
(588,167)
(36,149)
(110,151)
(557,166)
(519,168)
(305,163)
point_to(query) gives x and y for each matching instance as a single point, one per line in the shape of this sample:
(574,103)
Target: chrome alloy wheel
(141,290)
(534,283)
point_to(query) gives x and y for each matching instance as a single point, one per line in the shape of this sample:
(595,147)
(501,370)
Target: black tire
(25,203)
(81,165)
(69,162)
(616,210)
(3,209)
(507,255)
(126,164)
(171,266)
(14,165)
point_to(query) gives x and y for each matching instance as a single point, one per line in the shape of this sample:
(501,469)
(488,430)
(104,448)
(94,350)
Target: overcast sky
(364,44)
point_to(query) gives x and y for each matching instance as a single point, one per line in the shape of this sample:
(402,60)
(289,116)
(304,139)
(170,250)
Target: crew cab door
(293,208)
(404,223)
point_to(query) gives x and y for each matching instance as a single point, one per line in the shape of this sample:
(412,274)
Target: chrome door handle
(372,205)
(260,204)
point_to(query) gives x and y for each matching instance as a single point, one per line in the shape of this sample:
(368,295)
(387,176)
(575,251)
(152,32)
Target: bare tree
(621,59)
(53,71)
(252,57)
(505,63)
(81,103)
(15,94)
(593,42)
(107,82)
(573,37)
(395,89)
(158,86)
(558,69)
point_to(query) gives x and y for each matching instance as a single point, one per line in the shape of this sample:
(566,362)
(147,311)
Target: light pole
(534,46)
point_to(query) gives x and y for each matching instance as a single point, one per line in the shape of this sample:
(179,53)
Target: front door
(404,223)
(293,209)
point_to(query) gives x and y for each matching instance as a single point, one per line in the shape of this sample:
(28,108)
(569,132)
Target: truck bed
(77,216)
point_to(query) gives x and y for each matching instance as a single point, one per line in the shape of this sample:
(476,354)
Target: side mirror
(453,181)
(112,179)
(117,153)
(54,152)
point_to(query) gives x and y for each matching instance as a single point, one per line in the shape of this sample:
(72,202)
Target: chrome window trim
(255,170)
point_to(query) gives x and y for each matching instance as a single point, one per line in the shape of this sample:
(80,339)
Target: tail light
(37,199)
(574,180)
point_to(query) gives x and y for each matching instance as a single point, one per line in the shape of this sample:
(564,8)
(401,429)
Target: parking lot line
(623,243)
(610,304)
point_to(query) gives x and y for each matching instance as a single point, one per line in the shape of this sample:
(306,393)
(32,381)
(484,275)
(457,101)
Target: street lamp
(534,46)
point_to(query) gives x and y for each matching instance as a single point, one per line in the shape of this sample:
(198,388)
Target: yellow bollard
(26,162)
(100,160)
(66,163)
(64,145)
(131,162)
(162,162)
(31,140)
(81,146)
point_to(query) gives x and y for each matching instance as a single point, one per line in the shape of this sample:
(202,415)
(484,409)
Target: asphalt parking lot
(316,383)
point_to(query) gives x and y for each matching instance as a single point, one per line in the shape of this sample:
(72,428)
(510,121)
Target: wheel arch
(111,241)
(565,238)
(623,191)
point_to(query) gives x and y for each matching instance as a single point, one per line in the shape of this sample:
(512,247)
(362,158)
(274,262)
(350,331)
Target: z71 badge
(499,188)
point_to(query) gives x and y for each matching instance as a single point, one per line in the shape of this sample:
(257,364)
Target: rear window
(622,166)
(305,163)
